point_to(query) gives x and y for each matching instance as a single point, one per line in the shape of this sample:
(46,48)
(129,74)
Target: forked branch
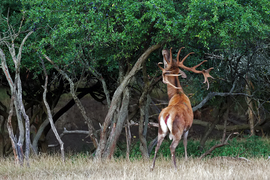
(217,146)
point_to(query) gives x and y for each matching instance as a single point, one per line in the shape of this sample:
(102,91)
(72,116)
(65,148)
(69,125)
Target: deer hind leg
(160,139)
(185,143)
(173,146)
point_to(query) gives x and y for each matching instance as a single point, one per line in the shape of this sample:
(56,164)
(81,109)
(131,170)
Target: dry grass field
(51,167)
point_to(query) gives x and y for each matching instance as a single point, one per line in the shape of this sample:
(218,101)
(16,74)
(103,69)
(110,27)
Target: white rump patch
(167,126)
(163,125)
(169,123)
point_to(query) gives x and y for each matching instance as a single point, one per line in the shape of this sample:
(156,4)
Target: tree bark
(128,139)
(144,117)
(116,98)
(251,117)
(10,130)
(118,126)
(144,104)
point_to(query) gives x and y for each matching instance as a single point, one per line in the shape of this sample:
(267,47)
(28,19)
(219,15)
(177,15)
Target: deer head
(172,69)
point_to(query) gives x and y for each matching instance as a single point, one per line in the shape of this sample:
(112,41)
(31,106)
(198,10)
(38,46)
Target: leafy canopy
(229,22)
(108,32)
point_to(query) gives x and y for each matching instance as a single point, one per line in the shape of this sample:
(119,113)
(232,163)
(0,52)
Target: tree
(111,18)
(16,93)
(110,40)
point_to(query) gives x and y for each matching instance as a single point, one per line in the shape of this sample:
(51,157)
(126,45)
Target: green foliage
(108,32)
(11,8)
(103,32)
(113,30)
(247,147)
(250,147)
(230,22)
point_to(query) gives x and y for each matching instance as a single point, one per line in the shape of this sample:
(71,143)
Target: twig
(211,149)
(49,114)
(217,146)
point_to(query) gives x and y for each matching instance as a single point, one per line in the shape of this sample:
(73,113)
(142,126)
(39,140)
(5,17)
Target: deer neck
(171,90)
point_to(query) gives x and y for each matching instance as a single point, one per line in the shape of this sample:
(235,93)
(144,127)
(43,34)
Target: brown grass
(51,167)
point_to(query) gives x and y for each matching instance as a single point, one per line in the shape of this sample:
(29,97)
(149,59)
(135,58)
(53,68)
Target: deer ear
(183,75)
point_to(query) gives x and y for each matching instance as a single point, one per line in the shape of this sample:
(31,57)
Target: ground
(79,167)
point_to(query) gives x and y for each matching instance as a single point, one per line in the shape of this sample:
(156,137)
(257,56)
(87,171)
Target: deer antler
(193,69)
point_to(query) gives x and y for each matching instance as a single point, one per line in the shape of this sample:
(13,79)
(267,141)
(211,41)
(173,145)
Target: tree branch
(50,114)
(216,146)
(77,101)
(213,94)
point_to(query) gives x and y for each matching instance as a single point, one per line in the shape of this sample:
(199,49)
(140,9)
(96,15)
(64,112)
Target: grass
(219,165)
(81,167)
(248,147)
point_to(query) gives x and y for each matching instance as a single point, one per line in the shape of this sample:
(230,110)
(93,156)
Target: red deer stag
(178,116)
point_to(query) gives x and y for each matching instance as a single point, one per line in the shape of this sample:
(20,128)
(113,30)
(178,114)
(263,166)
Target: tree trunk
(10,130)
(116,98)
(128,139)
(16,91)
(118,126)
(2,144)
(251,117)
(144,118)
(144,104)
(2,130)
(144,114)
